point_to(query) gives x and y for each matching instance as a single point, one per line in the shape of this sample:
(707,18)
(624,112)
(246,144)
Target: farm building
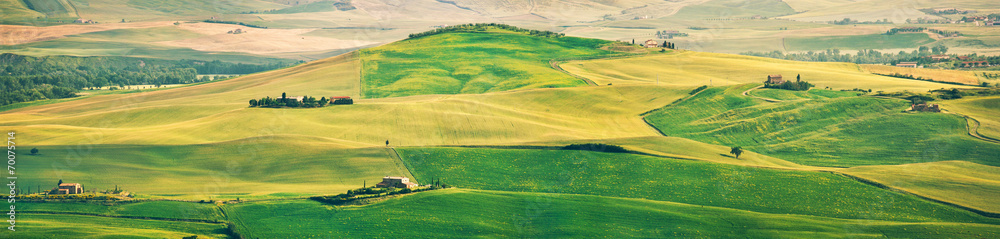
(396,182)
(341,100)
(907,64)
(939,57)
(295,98)
(68,188)
(925,107)
(651,43)
(81,20)
(774,79)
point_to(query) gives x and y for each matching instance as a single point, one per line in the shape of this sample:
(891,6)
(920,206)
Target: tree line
(482,27)
(28,78)
(865,56)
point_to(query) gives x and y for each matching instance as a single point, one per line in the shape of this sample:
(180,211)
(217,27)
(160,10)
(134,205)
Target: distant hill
(489,59)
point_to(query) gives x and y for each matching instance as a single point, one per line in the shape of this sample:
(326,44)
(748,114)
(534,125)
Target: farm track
(972,127)
(747,93)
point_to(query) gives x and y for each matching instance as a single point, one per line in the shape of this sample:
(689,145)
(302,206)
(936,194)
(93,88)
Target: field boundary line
(554,63)
(130,217)
(887,187)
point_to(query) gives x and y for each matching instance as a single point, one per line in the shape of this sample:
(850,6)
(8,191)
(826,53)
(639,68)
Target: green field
(734,9)
(470,63)
(689,68)
(661,179)
(132,46)
(858,42)
(78,226)
(463,213)
(150,209)
(813,94)
(983,109)
(959,182)
(839,132)
(263,167)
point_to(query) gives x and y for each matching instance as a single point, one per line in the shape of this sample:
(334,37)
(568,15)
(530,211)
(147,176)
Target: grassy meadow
(265,167)
(661,179)
(858,42)
(453,63)
(960,182)
(151,209)
(80,226)
(463,213)
(838,132)
(687,68)
(983,109)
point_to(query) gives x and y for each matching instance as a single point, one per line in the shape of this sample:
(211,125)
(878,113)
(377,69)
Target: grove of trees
(481,27)
(28,78)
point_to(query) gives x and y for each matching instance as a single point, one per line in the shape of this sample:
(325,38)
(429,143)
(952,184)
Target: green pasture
(662,179)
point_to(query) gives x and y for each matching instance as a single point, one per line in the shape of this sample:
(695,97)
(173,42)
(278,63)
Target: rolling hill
(486,111)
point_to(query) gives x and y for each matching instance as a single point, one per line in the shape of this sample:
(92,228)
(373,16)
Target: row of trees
(865,56)
(28,78)
(848,21)
(482,27)
(307,102)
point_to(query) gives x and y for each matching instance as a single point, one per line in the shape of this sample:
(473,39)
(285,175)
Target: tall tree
(736,151)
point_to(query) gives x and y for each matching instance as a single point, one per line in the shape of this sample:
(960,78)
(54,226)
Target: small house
(68,188)
(925,107)
(396,182)
(774,79)
(907,64)
(939,57)
(651,43)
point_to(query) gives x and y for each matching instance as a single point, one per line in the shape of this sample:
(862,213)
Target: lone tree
(736,151)
(798,77)
(60,182)
(34,151)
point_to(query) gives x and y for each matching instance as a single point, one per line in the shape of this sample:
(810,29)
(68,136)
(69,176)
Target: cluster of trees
(946,33)
(798,84)
(669,34)
(372,192)
(284,101)
(482,27)
(863,57)
(848,21)
(28,78)
(904,29)
(990,75)
(236,23)
(920,78)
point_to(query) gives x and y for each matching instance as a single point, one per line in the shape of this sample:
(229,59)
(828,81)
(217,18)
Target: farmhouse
(774,79)
(81,20)
(925,107)
(68,188)
(396,182)
(651,43)
(939,57)
(296,98)
(907,64)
